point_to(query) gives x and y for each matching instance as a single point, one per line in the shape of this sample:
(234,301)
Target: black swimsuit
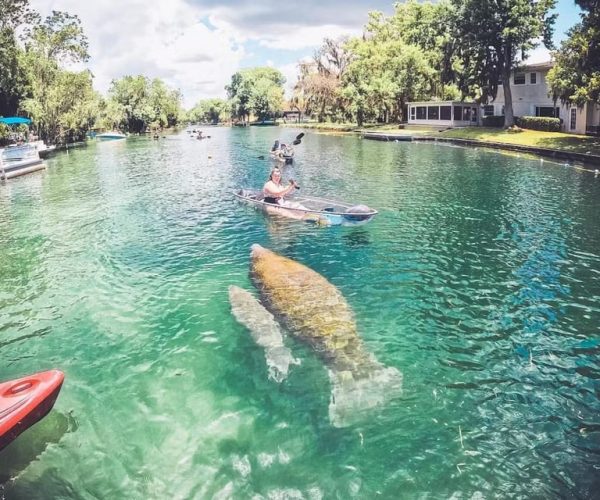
(270,199)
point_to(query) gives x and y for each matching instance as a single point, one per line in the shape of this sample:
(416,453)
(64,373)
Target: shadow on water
(18,455)
(357,238)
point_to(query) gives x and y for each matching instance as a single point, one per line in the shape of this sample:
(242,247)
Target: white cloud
(166,40)
(304,37)
(195,47)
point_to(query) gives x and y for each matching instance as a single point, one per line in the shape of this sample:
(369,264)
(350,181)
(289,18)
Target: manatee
(264,330)
(315,311)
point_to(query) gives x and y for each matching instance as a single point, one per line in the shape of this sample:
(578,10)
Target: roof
(540,65)
(442,103)
(15,120)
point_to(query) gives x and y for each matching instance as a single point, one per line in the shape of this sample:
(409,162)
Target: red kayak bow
(25,401)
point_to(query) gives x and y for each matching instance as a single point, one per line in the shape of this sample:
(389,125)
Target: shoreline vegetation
(421,52)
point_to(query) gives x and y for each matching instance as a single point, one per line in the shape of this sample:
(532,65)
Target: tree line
(447,50)
(63,104)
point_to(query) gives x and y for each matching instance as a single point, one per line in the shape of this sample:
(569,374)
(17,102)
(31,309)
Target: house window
(433,113)
(519,79)
(421,113)
(488,111)
(466,114)
(474,115)
(458,113)
(502,111)
(413,112)
(547,111)
(533,78)
(573,124)
(446,112)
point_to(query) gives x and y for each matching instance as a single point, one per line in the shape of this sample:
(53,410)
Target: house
(531,97)
(444,113)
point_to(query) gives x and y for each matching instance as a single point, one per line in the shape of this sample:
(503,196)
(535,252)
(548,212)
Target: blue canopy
(15,120)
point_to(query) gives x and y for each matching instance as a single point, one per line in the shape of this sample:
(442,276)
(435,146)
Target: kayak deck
(25,401)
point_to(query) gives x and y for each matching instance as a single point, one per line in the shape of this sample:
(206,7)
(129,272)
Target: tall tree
(576,76)
(13,81)
(493,36)
(209,111)
(255,90)
(55,93)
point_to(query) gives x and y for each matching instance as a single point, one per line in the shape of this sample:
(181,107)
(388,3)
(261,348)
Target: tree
(60,102)
(576,76)
(209,111)
(256,90)
(13,81)
(136,103)
(493,36)
(59,38)
(318,90)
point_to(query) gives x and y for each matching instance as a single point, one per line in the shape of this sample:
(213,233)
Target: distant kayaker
(274,191)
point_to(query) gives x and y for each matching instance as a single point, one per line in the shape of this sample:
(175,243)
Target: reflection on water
(479,280)
(28,447)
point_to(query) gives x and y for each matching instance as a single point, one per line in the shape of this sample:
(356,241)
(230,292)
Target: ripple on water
(479,280)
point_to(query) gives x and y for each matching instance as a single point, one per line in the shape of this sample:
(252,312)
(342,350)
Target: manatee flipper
(264,330)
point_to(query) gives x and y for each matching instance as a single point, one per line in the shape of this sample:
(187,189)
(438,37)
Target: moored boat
(25,401)
(111,136)
(19,160)
(310,209)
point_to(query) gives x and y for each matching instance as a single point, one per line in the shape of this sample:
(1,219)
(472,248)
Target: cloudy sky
(196,45)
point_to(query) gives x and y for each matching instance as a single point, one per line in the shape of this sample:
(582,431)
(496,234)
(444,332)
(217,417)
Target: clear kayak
(310,209)
(25,401)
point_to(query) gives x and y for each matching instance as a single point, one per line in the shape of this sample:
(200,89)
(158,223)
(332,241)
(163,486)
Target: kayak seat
(329,209)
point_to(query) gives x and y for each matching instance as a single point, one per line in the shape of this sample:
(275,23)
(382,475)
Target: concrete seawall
(552,153)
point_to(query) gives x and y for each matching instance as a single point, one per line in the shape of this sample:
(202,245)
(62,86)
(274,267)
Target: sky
(196,45)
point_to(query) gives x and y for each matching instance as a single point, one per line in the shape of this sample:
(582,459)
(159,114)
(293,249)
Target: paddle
(298,139)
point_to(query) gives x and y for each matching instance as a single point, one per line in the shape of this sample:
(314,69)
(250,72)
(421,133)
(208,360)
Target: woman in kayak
(273,191)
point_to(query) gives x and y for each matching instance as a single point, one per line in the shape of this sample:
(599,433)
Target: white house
(448,113)
(530,96)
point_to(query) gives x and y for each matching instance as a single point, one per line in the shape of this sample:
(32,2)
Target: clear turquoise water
(479,281)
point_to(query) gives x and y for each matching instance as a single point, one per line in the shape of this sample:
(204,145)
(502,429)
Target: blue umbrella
(15,120)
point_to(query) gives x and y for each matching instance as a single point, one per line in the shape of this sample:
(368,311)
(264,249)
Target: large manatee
(264,330)
(315,311)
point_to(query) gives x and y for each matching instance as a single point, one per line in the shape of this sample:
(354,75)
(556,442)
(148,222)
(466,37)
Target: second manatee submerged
(315,311)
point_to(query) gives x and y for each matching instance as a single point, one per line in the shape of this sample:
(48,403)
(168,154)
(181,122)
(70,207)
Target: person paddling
(273,191)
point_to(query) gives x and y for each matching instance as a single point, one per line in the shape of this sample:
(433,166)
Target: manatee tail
(352,397)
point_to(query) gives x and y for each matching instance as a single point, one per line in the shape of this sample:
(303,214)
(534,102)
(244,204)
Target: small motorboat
(25,401)
(111,136)
(310,209)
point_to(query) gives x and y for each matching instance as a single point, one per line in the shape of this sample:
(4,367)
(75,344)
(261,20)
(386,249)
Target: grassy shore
(550,140)
(534,138)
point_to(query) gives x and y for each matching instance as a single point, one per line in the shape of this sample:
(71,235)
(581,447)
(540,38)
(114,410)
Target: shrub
(539,123)
(493,121)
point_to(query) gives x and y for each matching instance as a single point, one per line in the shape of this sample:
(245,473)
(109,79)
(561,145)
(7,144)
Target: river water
(479,280)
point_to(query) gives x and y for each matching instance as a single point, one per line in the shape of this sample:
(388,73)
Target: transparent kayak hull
(310,209)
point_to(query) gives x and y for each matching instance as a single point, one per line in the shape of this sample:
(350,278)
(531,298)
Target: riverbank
(572,148)
(569,147)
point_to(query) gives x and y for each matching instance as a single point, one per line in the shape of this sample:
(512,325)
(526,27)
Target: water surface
(479,280)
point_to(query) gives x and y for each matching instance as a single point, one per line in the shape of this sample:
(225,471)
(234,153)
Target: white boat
(111,136)
(19,160)
(310,209)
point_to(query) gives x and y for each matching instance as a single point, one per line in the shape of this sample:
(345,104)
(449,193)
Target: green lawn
(534,138)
